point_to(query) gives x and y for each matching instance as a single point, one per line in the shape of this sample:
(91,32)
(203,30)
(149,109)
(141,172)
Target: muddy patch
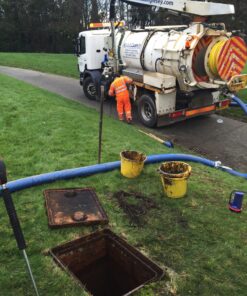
(135,206)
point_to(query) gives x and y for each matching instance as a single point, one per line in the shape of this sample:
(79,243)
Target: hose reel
(227,58)
(219,58)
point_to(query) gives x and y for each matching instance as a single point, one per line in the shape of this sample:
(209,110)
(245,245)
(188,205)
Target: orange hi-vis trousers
(119,88)
(124,106)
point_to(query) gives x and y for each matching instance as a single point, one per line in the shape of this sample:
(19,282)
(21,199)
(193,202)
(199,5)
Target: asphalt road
(225,141)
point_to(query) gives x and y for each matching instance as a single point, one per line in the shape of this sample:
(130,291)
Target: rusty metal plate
(105,264)
(73,206)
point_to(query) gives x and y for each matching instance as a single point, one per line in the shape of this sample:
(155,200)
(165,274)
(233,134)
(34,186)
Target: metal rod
(30,271)
(101,122)
(14,220)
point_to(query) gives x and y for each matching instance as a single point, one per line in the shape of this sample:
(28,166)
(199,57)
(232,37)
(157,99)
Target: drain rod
(101,96)
(14,221)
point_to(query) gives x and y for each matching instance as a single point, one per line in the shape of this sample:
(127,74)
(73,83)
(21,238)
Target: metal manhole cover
(73,206)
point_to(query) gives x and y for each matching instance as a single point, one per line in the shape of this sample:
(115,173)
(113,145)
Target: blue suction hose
(240,103)
(234,104)
(28,182)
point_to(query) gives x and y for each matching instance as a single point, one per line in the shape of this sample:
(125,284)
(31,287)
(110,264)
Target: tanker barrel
(208,59)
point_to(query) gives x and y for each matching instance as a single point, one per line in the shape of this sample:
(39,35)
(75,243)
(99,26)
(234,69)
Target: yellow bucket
(132,163)
(174,176)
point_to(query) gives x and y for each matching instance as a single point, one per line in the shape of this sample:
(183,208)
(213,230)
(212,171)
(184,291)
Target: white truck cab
(91,52)
(91,49)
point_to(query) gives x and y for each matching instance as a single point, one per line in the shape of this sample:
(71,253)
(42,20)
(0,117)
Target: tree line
(52,25)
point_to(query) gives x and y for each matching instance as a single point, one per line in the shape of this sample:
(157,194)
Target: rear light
(193,112)
(176,114)
(224,103)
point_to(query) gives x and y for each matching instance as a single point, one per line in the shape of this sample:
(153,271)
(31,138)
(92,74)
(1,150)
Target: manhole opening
(105,264)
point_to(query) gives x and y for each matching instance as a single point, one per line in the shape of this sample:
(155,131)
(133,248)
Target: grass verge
(66,65)
(61,64)
(197,238)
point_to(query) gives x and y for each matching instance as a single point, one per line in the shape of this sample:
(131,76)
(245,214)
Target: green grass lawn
(61,64)
(66,64)
(200,242)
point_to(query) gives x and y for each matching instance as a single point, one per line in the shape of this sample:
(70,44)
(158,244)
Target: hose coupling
(217,164)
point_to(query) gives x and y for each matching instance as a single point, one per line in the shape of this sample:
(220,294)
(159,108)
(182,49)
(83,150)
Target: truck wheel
(89,88)
(147,110)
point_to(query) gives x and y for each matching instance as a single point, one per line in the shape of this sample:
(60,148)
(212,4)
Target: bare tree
(94,12)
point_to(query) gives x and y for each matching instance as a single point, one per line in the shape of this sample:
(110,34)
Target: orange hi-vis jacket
(119,87)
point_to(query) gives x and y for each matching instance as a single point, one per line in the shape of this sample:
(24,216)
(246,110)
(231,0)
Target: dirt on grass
(135,206)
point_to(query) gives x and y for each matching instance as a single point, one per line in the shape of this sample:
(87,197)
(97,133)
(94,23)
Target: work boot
(120,117)
(129,120)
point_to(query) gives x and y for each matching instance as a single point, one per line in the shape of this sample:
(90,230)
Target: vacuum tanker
(179,71)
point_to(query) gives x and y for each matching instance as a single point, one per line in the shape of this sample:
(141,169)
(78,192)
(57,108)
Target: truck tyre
(89,88)
(147,110)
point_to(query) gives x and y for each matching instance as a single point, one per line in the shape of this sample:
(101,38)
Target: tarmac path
(225,141)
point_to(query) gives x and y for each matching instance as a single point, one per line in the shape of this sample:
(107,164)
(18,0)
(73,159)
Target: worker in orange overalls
(120,90)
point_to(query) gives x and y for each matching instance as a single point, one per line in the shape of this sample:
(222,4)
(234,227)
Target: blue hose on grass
(28,182)
(240,103)
(234,104)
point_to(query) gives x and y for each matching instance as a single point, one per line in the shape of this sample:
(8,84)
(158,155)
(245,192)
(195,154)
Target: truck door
(81,53)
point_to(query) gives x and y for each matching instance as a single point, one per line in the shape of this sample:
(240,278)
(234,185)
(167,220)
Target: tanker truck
(178,72)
